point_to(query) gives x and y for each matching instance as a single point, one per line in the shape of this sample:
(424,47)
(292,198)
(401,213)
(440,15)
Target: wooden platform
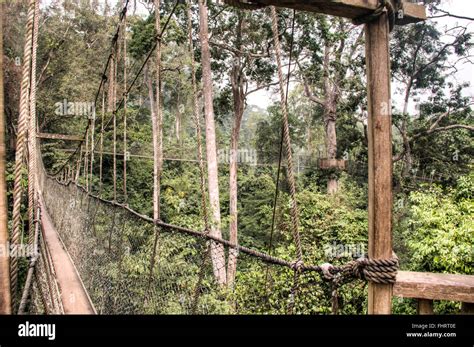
(344,8)
(431,286)
(59,137)
(326,164)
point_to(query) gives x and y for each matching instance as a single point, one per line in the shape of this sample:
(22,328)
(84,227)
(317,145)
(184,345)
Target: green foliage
(440,230)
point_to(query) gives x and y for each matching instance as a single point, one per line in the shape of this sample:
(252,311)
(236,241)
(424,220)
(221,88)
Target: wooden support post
(342,8)
(5,299)
(380,156)
(425,306)
(467,308)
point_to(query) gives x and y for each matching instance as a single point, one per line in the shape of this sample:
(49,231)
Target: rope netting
(133,264)
(41,292)
(111,248)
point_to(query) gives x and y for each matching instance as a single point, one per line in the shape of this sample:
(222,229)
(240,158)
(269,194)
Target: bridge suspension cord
(102,82)
(20,146)
(289,157)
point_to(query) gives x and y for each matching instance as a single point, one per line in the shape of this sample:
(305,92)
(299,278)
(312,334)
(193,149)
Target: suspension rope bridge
(98,256)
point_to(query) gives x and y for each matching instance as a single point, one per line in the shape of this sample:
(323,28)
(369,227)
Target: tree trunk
(217,250)
(157,124)
(330,116)
(178,119)
(5,304)
(239,101)
(408,158)
(110,79)
(331,143)
(237,80)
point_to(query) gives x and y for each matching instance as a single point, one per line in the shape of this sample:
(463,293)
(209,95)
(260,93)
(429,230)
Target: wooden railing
(426,287)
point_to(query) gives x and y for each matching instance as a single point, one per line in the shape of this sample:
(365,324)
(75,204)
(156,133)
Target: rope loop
(382,271)
(244,4)
(327,271)
(297,265)
(393,8)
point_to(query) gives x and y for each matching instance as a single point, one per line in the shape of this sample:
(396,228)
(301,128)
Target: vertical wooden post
(467,308)
(425,306)
(380,155)
(5,302)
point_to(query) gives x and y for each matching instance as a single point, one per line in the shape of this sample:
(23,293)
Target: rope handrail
(374,270)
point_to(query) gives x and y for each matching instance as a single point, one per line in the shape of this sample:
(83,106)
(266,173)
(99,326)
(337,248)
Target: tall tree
(217,250)
(157,122)
(241,47)
(325,74)
(425,59)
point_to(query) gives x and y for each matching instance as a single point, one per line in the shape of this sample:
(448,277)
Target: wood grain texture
(467,308)
(380,155)
(339,164)
(59,137)
(345,8)
(425,307)
(431,286)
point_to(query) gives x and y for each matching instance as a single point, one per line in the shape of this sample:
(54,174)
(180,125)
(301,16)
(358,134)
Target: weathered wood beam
(431,286)
(467,308)
(346,8)
(59,137)
(380,156)
(425,307)
(339,164)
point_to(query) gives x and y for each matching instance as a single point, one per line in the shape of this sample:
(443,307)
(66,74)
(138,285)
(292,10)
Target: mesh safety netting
(112,249)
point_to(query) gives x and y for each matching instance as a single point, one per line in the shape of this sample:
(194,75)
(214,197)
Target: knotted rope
(393,8)
(289,155)
(32,169)
(380,271)
(244,4)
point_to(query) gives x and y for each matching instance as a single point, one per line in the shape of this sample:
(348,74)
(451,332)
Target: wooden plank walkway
(74,296)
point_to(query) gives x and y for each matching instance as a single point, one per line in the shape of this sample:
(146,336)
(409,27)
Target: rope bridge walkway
(92,255)
(111,247)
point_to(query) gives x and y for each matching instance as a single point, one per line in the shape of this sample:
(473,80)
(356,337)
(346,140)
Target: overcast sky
(465,74)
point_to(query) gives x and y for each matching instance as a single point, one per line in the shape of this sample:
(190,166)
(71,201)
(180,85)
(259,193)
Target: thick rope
(375,270)
(393,7)
(32,167)
(32,265)
(244,4)
(289,155)
(20,147)
(280,154)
